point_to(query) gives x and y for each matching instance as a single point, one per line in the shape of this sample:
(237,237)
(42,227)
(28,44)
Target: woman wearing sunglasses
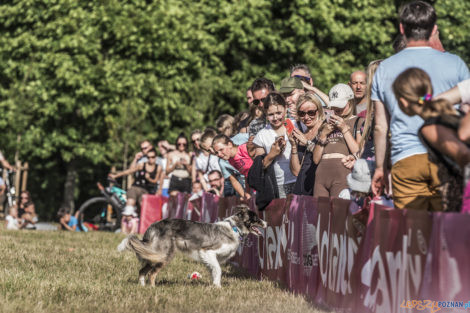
(273,142)
(179,166)
(310,117)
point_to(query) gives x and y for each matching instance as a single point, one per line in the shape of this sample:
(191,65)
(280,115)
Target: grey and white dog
(211,244)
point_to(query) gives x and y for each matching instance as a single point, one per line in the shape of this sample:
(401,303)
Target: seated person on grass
(68,221)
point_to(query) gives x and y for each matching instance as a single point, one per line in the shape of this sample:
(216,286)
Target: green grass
(83,272)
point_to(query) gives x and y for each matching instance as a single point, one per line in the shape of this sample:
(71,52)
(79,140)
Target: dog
(211,244)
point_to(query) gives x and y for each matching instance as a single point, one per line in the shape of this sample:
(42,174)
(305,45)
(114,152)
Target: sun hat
(129,210)
(361,176)
(339,95)
(288,84)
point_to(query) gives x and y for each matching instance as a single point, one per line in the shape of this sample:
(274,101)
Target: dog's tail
(123,245)
(141,249)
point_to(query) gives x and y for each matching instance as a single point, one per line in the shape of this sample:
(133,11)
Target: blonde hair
(225,124)
(310,97)
(371,69)
(414,85)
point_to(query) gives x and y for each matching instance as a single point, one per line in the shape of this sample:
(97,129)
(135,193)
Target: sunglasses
(214,180)
(304,78)
(258,101)
(152,157)
(144,148)
(193,141)
(181,144)
(310,113)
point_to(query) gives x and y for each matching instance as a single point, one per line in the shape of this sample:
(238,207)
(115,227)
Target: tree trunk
(70,185)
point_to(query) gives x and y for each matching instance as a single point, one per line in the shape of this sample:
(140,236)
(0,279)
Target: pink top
(242,161)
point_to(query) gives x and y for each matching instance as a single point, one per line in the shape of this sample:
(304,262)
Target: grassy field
(83,272)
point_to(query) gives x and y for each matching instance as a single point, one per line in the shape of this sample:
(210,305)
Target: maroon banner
(302,247)
(391,260)
(177,205)
(150,211)
(447,272)
(355,260)
(272,247)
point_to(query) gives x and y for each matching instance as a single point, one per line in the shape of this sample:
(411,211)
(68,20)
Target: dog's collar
(235,229)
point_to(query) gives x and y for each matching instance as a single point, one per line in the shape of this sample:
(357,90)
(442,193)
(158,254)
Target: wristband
(322,142)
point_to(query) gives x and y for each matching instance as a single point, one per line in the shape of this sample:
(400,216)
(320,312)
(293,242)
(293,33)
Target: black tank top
(141,181)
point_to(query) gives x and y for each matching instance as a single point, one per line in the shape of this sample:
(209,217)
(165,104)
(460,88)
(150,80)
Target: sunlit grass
(83,272)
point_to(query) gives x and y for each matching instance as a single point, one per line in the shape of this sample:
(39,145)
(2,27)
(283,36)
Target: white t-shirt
(12,223)
(265,138)
(206,164)
(166,181)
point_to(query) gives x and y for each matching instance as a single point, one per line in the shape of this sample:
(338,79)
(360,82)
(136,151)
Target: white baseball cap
(339,95)
(360,178)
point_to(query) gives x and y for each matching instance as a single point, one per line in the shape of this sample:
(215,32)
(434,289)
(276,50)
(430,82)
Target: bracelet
(293,153)
(346,131)
(322,142)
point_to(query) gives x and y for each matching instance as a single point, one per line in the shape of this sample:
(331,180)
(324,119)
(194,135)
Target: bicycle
(104,211)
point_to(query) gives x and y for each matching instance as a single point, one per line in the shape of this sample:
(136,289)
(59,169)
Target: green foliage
(87,80)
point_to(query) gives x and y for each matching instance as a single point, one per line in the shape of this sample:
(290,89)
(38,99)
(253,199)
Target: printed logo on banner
(275,244)
(405,273)
(336,252)
(309,241)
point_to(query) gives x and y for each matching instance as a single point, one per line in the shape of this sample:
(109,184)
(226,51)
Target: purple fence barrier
(382,260)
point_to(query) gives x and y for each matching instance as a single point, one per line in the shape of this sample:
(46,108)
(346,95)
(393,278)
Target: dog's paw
(142,281)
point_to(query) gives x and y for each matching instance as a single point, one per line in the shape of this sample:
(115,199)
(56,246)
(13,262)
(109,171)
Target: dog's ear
(240,211)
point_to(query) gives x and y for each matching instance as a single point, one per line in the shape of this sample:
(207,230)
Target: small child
(68,221)
(359,182)
(129,221)
(12,220)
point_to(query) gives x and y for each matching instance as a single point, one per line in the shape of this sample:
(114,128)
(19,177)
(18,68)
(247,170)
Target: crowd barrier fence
(351,260)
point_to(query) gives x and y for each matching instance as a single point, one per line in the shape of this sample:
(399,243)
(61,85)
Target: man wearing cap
(358,83)
(414,178)
(292,89)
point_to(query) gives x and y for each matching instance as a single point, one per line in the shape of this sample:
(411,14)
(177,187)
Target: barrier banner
(177,205)
(273,246)
(247,253)
(195,207)
(210,208)
(391,260)
(447,273)
(338,244)
(150,211)
(302,248)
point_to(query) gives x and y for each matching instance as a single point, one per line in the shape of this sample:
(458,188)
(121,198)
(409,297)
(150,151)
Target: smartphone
(328,114)
(289,126)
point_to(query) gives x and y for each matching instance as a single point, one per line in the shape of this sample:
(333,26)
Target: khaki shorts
(415,184)
(136,192)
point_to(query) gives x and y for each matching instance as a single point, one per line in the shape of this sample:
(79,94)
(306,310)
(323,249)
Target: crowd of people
(389,126)
(397,131)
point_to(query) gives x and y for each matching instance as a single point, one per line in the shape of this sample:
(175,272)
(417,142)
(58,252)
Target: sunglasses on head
(310,113)
(258,101)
